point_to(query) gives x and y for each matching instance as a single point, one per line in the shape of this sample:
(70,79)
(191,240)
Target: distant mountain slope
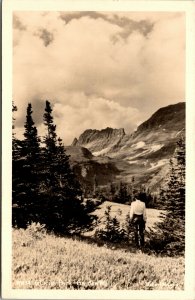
(89,169)
(143,154)
(171,118)
(99,140)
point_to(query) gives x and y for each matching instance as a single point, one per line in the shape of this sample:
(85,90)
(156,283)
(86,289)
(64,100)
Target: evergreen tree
(31,146)
(172,227)
(14,140)
(122,196)
(62,201)
(14,108)
(112,231)
(17,219)
(44,187)
(112,192)
(51,136)
(15,154)
(25,188)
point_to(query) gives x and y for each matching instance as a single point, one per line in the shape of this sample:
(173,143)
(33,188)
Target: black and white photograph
(97,174)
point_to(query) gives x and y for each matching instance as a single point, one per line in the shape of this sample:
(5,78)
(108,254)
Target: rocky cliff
(100,142)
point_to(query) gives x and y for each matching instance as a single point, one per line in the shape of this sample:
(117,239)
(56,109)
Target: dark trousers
(139,227)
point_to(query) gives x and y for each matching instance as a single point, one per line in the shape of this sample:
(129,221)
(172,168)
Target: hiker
(138,218)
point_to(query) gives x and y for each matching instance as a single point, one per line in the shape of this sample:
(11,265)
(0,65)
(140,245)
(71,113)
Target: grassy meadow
(121,210)
(45,261)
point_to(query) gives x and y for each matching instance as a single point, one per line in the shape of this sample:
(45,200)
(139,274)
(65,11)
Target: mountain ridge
(96,140)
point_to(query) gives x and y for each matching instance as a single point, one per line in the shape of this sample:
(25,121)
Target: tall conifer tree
(31,147)
(64,210)
(172,227)
(14,139)
(25,189)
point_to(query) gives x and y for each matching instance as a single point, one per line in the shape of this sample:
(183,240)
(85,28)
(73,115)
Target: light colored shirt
(139,208)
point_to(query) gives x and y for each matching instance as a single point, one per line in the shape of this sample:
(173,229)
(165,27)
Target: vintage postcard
(98,150)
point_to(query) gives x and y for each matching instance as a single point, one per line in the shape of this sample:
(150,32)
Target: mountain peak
(166,118)
(75,141)
(97,140)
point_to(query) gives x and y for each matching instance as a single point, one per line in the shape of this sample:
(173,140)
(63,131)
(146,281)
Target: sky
(98,69)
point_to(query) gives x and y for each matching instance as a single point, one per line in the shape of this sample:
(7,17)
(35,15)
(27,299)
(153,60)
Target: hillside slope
(42,261)
(89,169)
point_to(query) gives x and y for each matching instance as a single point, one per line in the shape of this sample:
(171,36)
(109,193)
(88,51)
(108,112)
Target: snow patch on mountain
(101,152)
(138,145)
(156,147)
(148,149)
(160,163)
(132,161)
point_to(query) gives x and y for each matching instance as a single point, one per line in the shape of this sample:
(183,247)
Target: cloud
(98,69)
(127,25)
(95,113)
(41,24)
(46,36)
(17,24)
(68,17)
(73,117)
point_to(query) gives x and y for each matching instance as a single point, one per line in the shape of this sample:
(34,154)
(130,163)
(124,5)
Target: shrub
(112,231)
(36,230)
